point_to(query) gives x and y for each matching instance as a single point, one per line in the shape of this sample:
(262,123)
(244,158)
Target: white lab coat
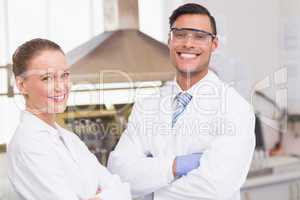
(217,122)
(43,166)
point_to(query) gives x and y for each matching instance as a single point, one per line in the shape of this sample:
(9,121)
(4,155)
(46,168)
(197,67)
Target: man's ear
(215,43)
(169,39)
(21,85)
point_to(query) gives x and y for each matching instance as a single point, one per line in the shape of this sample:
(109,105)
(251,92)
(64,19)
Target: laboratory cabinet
(289,190)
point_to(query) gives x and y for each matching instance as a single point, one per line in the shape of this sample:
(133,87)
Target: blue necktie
(182,100)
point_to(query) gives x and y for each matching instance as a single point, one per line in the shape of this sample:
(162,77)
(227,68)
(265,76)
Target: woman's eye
(66,75)
(47,78)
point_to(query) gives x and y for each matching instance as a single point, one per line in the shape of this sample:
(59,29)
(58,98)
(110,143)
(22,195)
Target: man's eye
(180,34)
(200,36)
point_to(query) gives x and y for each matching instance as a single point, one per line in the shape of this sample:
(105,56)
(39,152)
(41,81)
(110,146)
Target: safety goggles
(200,37)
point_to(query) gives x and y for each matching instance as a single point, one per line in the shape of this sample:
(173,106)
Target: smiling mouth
(58,98)
(187,55)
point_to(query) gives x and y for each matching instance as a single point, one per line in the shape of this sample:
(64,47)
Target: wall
(3,42)
(69,23)
(249,35)
(290,50)
(248,32)
(249,51)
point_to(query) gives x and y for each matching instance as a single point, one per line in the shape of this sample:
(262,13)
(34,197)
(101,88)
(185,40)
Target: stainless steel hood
(122,53)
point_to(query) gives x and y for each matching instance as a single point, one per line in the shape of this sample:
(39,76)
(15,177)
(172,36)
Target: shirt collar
(209,78)
(36,124)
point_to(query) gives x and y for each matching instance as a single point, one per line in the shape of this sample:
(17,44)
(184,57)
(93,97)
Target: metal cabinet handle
(298,191)
(294,191)
(247,196)
(291,191)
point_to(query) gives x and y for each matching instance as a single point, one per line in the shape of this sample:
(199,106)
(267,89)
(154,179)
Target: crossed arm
(36,173)
(223,166)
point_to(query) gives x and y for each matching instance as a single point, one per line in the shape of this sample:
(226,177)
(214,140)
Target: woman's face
(46,83)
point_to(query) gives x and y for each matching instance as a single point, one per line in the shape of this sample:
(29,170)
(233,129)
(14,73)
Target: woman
(46,161)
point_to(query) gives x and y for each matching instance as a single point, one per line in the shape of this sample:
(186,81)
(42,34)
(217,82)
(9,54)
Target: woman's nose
(59,85)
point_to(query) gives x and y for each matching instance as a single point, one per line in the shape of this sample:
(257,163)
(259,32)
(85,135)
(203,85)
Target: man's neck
(186,81)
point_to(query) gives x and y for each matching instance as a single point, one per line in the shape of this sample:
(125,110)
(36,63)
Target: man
(194,138)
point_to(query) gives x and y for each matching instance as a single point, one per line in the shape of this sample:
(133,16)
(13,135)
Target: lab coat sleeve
(111,187)
(129,160)
(35,173)
(223,166)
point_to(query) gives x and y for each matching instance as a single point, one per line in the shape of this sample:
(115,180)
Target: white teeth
(58,98)
(188,55)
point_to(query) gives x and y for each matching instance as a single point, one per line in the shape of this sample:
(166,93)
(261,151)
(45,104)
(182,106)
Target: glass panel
(26,21)
(3,49)
(3,81)
(69,22)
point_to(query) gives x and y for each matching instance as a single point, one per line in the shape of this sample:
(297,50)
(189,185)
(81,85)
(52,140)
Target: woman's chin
(57,109)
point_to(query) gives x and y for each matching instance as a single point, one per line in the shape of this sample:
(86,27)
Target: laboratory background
(118,51)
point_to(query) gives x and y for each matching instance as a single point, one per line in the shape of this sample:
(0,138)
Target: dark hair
(192,8)
(28,51)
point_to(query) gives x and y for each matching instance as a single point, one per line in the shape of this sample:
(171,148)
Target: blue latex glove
(186,163)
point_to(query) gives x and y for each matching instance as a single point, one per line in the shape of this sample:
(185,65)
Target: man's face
(190,53)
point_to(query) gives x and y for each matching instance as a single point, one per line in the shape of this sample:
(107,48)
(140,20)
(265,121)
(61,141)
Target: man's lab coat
(217,122)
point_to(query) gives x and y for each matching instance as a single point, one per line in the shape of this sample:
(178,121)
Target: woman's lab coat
(54,164)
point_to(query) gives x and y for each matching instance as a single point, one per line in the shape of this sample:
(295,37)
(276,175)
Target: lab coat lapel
(68,142)
(161,125)
(165,108)
(36,124)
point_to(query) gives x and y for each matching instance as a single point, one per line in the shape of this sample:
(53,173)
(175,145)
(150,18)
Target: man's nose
(189,41)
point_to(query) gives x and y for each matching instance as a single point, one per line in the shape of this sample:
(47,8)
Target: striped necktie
(182,100)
